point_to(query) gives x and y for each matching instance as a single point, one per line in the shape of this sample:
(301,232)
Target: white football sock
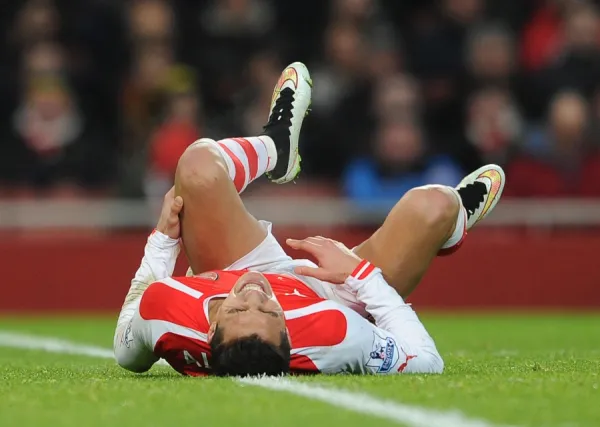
(460,229)
(247,158)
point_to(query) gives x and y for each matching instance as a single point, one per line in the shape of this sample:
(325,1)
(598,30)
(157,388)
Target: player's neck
(213,307)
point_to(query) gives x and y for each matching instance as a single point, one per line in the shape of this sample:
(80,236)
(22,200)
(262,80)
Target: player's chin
(253,279)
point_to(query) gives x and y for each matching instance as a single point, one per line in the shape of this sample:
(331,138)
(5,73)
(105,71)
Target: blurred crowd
(101,97)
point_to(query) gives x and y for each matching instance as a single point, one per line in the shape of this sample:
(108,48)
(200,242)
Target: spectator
(543,35)
(233,30)
(399,162)
(438,45)
(151,20)
(383,58)
(494,125)
(340,103)
(378,66)
(437,49)
(263,71)
(490,56)
(143,99)
(493,95)
(343,69)
(397,97)
(143,92)
(180,127)
(44,58)
(238,18)
(39,59)
(51,143)
(37,21)
(578,66)
(558,160)
(353,12)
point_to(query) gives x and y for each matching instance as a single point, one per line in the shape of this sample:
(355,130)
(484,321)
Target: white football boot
(480,191)
(290,104)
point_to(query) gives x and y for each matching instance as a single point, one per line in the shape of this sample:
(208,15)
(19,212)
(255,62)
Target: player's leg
(216,228)
(428,220)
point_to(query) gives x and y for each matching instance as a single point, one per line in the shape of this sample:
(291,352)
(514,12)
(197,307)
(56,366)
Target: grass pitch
(507,370)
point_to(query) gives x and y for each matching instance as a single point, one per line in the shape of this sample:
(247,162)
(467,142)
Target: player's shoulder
(177,300)
(174,290)
(323,323)
(333,336)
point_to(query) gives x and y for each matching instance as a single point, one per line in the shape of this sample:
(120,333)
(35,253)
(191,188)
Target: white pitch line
(56,345)
(52,345)
(409,415)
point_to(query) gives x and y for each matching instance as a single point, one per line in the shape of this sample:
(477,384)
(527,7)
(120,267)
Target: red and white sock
(460,230)
(247,158)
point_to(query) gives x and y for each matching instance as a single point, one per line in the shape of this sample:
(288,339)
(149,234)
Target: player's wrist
(161,240)
(363,272)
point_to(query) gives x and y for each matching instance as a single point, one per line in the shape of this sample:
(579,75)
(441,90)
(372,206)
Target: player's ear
(211,331)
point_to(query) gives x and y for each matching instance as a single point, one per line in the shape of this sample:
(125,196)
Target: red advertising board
(495,269)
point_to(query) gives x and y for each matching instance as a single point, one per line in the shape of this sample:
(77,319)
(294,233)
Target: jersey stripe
(162,327)
(368,270)
(172,283)
(360,268)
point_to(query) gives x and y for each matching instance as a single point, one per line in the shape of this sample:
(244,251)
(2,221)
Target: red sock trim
(452,249)
(250,154)
(240,174)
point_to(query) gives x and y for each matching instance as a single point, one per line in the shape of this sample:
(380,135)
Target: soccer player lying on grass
(246,307)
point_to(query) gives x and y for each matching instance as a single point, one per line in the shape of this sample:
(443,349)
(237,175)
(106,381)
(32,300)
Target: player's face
(251,308)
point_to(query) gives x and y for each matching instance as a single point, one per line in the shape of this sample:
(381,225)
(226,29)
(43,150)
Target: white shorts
(270,257)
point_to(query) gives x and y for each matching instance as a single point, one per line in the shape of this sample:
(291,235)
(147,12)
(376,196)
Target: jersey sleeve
(132,336)
(398,343)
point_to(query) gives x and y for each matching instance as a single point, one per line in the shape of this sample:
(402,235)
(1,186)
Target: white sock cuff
(271,151)
(460,229)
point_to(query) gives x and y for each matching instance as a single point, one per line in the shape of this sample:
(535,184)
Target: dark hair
(249,356)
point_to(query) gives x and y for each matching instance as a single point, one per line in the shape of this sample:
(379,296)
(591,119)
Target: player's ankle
(271,150)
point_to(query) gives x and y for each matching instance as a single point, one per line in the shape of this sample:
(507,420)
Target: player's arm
(398,324)
(403,340)
(132,336)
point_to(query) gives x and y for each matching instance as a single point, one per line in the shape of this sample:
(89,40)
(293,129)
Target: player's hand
(336,262)
(169,216)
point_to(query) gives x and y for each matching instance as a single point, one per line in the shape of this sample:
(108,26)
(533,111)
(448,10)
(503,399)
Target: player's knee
(437,206)
(200,165)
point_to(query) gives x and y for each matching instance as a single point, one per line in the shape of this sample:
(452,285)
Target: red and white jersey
(164,317)
(325,336)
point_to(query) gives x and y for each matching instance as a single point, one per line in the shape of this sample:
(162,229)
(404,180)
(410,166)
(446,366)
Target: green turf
(524,371)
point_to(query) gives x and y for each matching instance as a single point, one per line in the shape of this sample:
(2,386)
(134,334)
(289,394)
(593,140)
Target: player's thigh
(268,256)
(216,228)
